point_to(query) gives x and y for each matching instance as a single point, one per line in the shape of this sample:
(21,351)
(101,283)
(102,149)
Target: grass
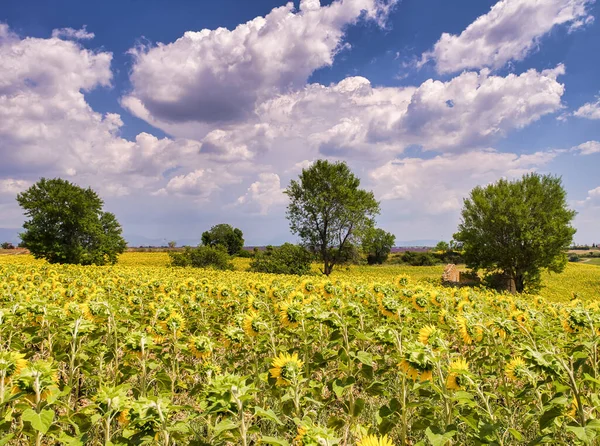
(592,261)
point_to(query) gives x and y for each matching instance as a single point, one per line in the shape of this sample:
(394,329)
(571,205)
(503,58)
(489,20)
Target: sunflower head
(374,440)
(286,369)
(11,364)
(456,371)
(431,335)
(200,346)
(252,324)
(290,313)
(516,369)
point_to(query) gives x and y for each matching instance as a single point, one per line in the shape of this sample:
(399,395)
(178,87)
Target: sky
(186,114)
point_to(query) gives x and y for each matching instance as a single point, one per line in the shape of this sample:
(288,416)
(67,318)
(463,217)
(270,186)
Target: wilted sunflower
(175,323)
(200,346)
(286,368)
(417,364)
(374,440)
(455,381)
(515,369)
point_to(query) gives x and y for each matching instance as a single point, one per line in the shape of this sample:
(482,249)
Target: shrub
(7,245)
(287,259)
(419,258)
(245,254)
(574,258)
(214,257)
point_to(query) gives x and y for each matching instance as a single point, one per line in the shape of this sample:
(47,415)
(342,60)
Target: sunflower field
(128,355)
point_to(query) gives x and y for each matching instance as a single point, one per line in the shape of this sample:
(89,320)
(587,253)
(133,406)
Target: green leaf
(268,414)
(439,439)
(225,426)
(515,433)
(6,439)
(365,357)
(548,417)
(42,421)
(585,434)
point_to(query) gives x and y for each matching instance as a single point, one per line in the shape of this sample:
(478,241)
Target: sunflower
(175,323)
(469,332)
(252,323)
(233,336)
(286,368)
(37,379)
(308,286)
(429,334)
(374,440)
(123,418)
(515,369)
(200,346)
(389,306)
(402,281)
(11,364)
(290,313)
(417,365)
(138,342)
(456,369)
(420,302)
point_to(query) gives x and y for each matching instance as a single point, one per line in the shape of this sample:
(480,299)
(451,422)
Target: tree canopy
(517,228)
(67,225)
(328,211)
(226,235)
(377,245)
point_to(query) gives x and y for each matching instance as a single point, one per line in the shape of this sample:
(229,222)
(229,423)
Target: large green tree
(67,225)
(328,211)
(225,235)
(377,245)
(517,228)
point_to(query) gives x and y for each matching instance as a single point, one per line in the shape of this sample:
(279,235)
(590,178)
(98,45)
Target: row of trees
(512,228)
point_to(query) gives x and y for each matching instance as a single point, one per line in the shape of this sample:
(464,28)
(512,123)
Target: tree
(172,244)
(226,235)
(328,211)
(67,225)
(214,257)
(287,259)
(7,245)
(442,246)
(377,245)
(517,228)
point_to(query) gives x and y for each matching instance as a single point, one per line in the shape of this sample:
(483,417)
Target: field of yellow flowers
(141,354)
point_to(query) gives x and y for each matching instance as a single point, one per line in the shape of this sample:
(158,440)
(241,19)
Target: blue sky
(184,114)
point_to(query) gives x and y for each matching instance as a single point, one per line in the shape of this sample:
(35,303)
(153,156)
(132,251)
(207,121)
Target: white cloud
(219,75)
(438,185)
(11,186)
(592,199)
(200,183)
(587,148)
(591,110)
(264,193)
(70,33)
(510,31)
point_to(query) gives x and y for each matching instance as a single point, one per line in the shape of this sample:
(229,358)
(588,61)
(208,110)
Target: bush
(214,257)
(287,259)
(419,258)
(7,245)
(245,254)
(574,258)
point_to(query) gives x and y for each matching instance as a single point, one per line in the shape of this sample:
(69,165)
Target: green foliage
(215,257)
(226,235)
(517,227)
(442,246)
(328,211)
(377,245)
(244,254)
(287,259)
(7,245)
(67,225)
(419,258)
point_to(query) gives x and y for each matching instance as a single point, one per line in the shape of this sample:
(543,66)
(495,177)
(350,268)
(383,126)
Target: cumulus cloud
(438,185)
(592,199)
(590,110)
(70,33)
(264,193)
(217,76)
(12,187)
(587,148)
(199,184)
(510,31)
